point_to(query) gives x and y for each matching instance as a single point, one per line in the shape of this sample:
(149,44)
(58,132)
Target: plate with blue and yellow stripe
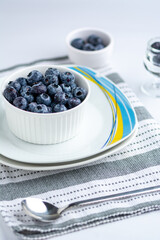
(122,116)
(110,120)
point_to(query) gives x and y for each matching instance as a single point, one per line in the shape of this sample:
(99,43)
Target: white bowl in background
(94,59)
(45,128)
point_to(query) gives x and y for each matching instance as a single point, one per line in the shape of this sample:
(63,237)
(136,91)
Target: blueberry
(94,40)
(67,78)
(26,93)
(10,93)
(52,71)
(32,106)
(52,106)
(69,95)
(78,43)
(34,77)
(99,47)
(49,109)
(80,93)
(59,108)
(50,79)
(66,88)
(41,108)
(22,81)
(44,98)
(156,45)
(53,89)
(73,102)
(73,86)
(25,90)
(88,47)
(60,97)
(38,88)
(156,59)
(15,84)
(20,102)
(29,97)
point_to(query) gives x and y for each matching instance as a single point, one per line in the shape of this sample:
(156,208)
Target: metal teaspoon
(47,212)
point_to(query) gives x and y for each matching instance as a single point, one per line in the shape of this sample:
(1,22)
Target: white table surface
(33,29)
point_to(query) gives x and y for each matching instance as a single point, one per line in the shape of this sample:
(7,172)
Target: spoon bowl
(40,210)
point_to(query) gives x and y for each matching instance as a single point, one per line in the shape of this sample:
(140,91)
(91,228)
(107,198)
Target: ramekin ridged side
(45,129)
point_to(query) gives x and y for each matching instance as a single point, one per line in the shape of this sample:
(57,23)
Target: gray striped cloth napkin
(136,166)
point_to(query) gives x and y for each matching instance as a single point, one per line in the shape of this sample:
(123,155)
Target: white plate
(71,164)
(110,120)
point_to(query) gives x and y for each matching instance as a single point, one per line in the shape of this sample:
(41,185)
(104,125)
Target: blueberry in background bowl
(51,116)
(156,45)
(92,43)
(78,43)
(90,47)
(95,40)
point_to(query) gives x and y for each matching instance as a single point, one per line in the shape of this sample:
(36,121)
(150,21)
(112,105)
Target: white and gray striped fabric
(136,166)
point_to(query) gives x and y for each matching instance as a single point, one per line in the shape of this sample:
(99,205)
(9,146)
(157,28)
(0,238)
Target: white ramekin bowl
(94,59)
(49,128)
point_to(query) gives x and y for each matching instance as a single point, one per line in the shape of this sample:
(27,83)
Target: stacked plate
(110,124)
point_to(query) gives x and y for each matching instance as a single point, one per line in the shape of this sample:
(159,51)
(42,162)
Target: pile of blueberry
(93,43)
(54,91)
(156,45)
(156,58)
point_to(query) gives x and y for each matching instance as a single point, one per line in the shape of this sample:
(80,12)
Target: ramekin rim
(89,52)
(44,114)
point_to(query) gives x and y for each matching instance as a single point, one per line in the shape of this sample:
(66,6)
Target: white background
(33,29)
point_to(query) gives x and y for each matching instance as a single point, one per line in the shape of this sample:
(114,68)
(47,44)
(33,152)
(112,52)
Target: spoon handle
(116,196)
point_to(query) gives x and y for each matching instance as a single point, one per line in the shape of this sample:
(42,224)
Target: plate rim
(80,163)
